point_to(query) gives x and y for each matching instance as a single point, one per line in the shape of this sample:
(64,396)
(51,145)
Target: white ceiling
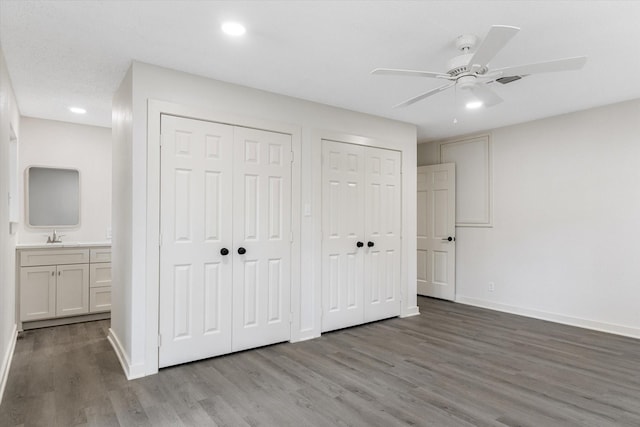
(63,53)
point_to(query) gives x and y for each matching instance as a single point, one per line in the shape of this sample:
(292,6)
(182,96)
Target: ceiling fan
(471,71)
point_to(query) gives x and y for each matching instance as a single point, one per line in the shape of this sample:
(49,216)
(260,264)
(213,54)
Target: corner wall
(566,235)
(9,119)
(315,121)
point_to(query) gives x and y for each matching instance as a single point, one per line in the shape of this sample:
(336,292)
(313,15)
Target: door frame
(408,305)
(155,109)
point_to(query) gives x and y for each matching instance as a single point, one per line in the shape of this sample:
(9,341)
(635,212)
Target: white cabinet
(361,234)
(63,282)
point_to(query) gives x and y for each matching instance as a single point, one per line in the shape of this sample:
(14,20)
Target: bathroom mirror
(53,197)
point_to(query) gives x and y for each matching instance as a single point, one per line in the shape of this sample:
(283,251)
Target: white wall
(9,118)
(566,235)
(68,145)
(121,241)
(313,120)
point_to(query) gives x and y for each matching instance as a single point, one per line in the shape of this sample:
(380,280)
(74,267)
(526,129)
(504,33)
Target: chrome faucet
(55,237)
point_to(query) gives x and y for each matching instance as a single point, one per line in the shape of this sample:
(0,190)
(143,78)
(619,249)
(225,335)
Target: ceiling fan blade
(497,37)
(564,64)
(413,73)
(485,94)
(423,96)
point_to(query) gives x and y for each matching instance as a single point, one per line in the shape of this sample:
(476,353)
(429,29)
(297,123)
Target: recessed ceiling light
(77,110)
(472,105)
(233,28)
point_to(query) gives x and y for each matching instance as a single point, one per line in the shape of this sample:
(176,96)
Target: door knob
(370,244)
(448,239)
(359,244)
(242,250)
(224,251)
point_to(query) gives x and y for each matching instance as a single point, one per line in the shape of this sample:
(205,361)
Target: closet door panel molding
(262,227)
(195,279)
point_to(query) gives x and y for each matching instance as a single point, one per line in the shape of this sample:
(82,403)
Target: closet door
(262,238)
(343,212)
(382,230)
(195,276)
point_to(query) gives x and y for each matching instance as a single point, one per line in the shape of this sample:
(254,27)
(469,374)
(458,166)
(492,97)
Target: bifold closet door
(383,209)
(361,229)
(225,251)
(196,225)
(343,244)
(262,228)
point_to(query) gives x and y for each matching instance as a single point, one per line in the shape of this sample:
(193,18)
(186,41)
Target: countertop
(62,245)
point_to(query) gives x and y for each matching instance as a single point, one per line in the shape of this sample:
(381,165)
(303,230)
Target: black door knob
(242,250)
(449,238)
(370,244)
(359,244)
(224,251)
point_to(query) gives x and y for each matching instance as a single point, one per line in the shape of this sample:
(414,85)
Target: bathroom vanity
(62,283)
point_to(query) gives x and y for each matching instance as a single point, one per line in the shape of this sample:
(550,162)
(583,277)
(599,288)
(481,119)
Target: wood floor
(453,365)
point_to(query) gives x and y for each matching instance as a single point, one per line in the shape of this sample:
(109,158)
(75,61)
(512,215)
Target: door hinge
(159,340)
(291,237)
(160,240)
(291,317)
(160,140)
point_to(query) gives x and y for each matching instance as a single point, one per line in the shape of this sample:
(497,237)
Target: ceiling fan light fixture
(473,105)
(235,29)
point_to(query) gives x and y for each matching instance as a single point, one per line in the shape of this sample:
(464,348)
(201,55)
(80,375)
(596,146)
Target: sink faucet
(55,238)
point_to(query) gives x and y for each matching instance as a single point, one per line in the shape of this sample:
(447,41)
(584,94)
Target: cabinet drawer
(101,255)
(54,257)
(100,275)
(100,299)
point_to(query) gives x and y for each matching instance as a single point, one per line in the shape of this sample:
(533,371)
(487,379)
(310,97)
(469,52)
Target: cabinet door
(343,212)
(37,293)
(72,290)
(383,228)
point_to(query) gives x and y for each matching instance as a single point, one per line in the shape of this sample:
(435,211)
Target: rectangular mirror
(53,197)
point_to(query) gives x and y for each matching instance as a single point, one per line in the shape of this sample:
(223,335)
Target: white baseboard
(6,361)
(410,311)
(553,317)
(304,337)
(131,371)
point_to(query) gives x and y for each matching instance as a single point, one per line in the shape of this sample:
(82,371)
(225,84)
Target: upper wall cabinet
(53,197)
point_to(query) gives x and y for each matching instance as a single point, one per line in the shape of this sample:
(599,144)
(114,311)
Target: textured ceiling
(63,53)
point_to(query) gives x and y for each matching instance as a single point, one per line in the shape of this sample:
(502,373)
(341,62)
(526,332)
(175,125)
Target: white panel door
(436,231)
(262,238)
(383,228)
(343,239)
(195,228)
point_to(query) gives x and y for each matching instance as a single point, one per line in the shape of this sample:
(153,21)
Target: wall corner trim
(410,312)
(6,360)
(594,325)
(131,371)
